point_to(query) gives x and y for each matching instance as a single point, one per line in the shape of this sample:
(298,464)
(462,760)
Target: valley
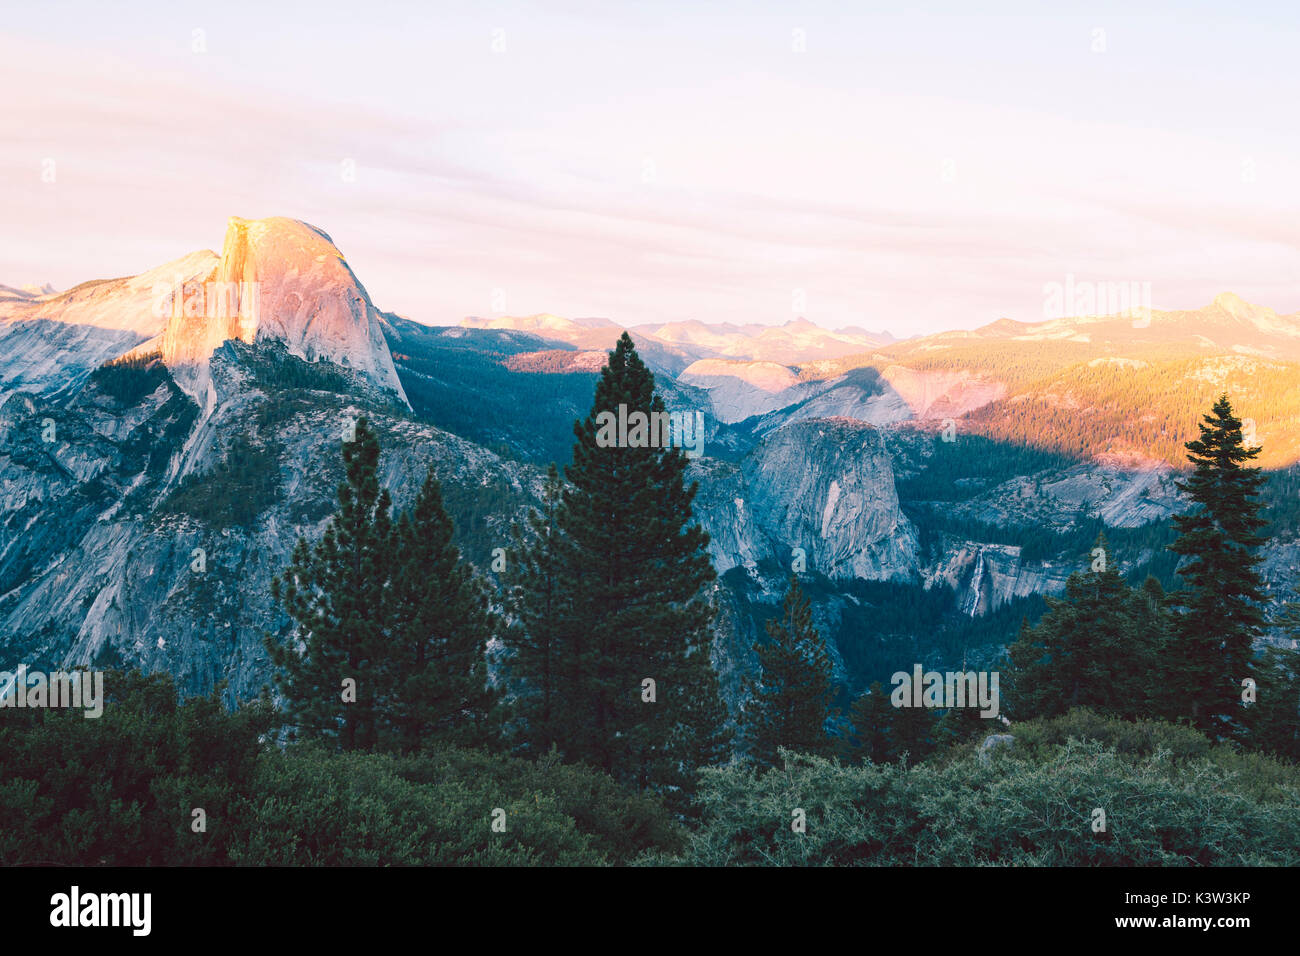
(935,488)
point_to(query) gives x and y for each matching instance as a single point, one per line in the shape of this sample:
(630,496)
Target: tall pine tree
(635,689)
(538,602)
(389,625)
(870,716)
(435,675)
(1222,614)
(337,597)
(1089,650)
(792,699)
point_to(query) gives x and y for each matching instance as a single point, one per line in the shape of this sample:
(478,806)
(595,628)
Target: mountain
(934,488)
(796,341)
(166,439)
(26,293)
(283,280)
(50,344)
(276,279)
(673,346)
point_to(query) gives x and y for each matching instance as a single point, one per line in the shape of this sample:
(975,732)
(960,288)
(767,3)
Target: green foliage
(1099,646)
(1029,805)
(539,605)
(389,626)
(1128,738)
(130,379)
(885,623)
(320,809)
(435,669)
(1220,543)
(118,790)
(243,484)
(278,369)
(461,382)
(791,701)
(336,594)
(879,732)
(969,466)
(636,606)
(1273,720)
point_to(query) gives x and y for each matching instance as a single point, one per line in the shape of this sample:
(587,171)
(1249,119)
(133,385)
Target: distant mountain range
(938,485)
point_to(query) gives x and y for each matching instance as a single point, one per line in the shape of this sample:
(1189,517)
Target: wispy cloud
(609,167)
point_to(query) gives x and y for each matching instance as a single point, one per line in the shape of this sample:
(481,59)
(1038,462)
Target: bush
(317,808)
(1169,798)
(1138,738)
(130,379)
(119,790)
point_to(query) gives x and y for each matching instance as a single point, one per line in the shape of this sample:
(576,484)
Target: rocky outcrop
(102,560)
(987,576)
(277,279)
(826,486)
(49,346)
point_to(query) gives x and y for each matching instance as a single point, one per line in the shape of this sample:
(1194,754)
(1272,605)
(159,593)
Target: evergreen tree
(637,691)
(337,597)
(910,731)
(538,603)
(1087,650)
(791,700)
(435,677)
(1221,605)
(869,720)
(959,724)
(1152,628)
(879,732)
(1273,721)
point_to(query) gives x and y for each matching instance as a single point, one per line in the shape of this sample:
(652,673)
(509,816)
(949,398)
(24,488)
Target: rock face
(739,390)
(277,279)
(987,576)
(49,345)
(99,554)
(826,486)
(1124,491)
(230,450)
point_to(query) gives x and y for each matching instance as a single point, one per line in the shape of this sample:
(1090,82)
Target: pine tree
(337,597)
(538,603)
(959,724)
(791,701)
(638,692)
(870,717)
(1273,720)
(435,676)
(1152,627)
(910,731)
(1088,649)
(1222,615)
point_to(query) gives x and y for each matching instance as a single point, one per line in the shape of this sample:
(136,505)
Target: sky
(908,167)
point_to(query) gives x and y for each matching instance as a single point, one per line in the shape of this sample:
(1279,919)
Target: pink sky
(906,172)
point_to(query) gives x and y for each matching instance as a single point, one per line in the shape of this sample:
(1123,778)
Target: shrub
(1169,798)
(130,379)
